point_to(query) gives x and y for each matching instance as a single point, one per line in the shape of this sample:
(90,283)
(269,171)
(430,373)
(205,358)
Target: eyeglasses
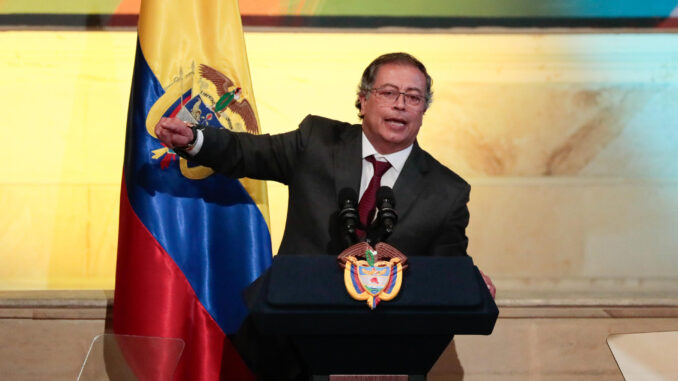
(391,94)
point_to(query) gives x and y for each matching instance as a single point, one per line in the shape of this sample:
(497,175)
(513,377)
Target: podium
(304,298)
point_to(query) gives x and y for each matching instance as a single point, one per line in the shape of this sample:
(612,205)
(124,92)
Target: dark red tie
(369,199)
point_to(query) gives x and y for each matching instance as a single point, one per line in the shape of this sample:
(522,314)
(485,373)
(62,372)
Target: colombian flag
(189,240)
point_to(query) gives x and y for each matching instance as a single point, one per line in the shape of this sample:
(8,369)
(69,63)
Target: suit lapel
(347,160)
(410,182)
(347,163)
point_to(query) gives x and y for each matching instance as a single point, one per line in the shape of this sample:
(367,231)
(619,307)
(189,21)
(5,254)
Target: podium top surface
(318,281)
(306,295)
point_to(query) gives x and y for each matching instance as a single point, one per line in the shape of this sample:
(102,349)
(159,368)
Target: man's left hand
(490,285)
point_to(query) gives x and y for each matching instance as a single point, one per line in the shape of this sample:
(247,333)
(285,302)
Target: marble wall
(569,140)
(573,169)
(569,180)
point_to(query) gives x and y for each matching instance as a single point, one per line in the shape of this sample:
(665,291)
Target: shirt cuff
(199,138)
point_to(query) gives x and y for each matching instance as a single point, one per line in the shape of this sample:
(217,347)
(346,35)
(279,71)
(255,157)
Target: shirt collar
(397,159)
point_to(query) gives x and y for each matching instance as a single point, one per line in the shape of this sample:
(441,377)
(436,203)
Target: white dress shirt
(397,160)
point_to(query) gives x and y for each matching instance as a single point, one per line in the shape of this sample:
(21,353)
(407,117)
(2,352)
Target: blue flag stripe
(211,228)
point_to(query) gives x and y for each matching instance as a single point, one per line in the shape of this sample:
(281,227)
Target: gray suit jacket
(322,157)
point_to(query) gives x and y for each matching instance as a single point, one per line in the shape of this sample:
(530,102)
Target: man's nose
(399,102)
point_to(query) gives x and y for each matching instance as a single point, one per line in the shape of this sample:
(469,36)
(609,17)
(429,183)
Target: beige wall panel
(531,339)
(47,226)
(67,95)
(60,236)
(43,342)
(542,349)
(36,350)
(569,141)
(591,130)
(574,227)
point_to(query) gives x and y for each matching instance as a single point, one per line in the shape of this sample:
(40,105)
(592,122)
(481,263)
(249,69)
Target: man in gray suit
(324,156)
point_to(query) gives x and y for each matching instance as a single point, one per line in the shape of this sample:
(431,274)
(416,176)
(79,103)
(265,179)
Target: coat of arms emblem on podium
(372,274)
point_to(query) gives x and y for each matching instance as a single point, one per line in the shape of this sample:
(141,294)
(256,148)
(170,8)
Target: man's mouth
(396,122)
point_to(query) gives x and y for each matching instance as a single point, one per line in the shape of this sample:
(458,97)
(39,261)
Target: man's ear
(362,100)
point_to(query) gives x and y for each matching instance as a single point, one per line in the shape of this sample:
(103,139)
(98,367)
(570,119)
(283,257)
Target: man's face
(393,125)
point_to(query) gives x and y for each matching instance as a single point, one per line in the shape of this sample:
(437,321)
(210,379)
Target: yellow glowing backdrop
(569,142)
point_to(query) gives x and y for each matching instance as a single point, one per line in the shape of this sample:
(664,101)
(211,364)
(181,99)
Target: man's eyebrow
(406,90)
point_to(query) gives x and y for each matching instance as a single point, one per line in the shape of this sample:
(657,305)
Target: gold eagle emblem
(239,105)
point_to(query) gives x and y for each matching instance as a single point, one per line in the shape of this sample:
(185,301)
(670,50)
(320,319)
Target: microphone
(348,213)
(386,215)
(386,219)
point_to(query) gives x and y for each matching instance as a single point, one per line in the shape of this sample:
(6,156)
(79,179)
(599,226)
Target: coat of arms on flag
(373,274)
(189,242)
(210,98)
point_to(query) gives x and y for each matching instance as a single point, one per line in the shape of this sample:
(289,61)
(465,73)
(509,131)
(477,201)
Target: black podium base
(406,354)
(302,302)
(362,377)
